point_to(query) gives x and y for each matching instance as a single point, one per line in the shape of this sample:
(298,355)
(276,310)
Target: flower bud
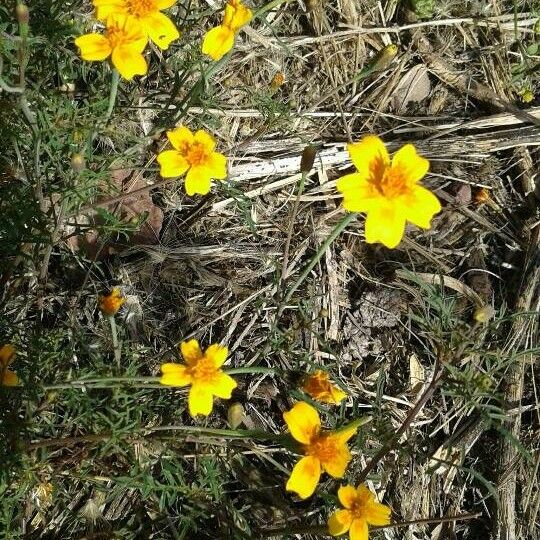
(308,158)
(77,162)
(23,15)
(235,414)
(484,314)
(384,57)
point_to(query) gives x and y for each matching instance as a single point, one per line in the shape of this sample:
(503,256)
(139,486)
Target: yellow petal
(420,206)
(129,62)
(175,375)
(7,352)
(346,496)
(217,166)
(161,29)
(8,378)
(413,166)
(343,435)
(217,353)
(197,181)
(223,385)
(93,47)
(336,465)
(303,421)
(339,522)
(205,139)
(200,400)
(242,15)
(304,477)
(338,395)
(359,530)
(384,224)
(181,138)
(165,4)
(106,8)
(191,351)
(377,514)
(369,156)
(218,41)
(172,163)
(358,194)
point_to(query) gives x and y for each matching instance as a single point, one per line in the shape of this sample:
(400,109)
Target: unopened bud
(308,158)
(77,163)
(23,15)
(384,57)
(484,314)
(235,414)
(277,80)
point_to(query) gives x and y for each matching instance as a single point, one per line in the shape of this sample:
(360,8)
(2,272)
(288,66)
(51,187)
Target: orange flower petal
(7,352)
(8,378)
(339,522)
(347,496)
(359,530)
(303,422)
(377,514)
(304,477)
(337,464)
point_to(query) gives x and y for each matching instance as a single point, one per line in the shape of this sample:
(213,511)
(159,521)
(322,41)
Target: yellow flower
(158,27)
(361,510)
(124,41)
(220,40)
(318,386)
(195,154)
(388,192)
(323,450)
(7,377)
(202,371)
(109,304)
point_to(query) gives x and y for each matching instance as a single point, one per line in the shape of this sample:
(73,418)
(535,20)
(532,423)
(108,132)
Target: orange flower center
(323,446)
(196,154)
(204,370)
(141,8)
(392,183)
(358,509)
(117,36)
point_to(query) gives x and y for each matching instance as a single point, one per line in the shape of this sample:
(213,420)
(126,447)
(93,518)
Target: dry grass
(376,319)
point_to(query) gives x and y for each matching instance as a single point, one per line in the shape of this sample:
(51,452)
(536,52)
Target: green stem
(113,94)
(268,7)
(254,369)
(355,424)
(322,250)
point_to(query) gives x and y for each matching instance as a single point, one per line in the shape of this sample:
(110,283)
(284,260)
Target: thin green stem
(113,94)
(338,229)
(254,369)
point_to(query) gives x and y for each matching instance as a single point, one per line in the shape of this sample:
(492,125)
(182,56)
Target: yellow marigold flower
(361,510)
(158,27)
(388,192)
(7,377)
(323,450)
(220,40)
(201,371)
(109,304)
(195,154)
(124,41)
(318,386)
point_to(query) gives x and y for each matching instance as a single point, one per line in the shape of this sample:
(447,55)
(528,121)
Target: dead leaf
(417,375)
(413,87)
